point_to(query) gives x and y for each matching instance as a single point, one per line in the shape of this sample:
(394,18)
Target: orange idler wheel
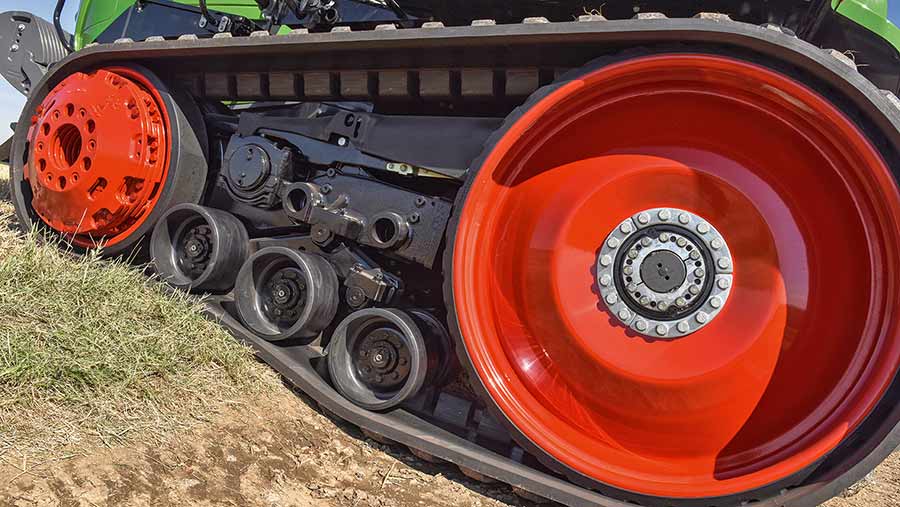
(798,351)
(99,155)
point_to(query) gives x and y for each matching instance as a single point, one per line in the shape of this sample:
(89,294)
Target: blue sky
(11,101)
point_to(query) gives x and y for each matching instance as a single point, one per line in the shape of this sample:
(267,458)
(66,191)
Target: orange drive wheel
(675,275)
(106,148)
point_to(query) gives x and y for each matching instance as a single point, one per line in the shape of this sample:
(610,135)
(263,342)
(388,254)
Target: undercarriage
(621,258)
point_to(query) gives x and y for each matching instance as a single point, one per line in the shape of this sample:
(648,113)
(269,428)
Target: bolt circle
(657,272)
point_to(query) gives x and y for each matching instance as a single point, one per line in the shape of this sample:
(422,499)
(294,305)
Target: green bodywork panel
(95,16)
(872,14)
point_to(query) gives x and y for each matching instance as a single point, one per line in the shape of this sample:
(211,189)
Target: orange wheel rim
(99,155)
(808,341)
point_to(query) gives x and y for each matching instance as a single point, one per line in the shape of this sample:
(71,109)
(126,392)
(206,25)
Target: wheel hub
(383,359)
(284,295)
(196,249)
(665,273)
(99,155)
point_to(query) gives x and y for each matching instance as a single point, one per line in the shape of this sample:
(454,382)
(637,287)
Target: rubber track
(562,45)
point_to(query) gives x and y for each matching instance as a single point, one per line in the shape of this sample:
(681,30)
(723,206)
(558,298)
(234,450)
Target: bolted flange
(664,272)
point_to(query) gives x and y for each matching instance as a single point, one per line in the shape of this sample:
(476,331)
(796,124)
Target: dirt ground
(279,451)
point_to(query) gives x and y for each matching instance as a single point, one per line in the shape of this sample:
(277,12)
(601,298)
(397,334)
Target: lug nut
(612,299)
(681,242)
(644,218)
(684,218)
(703,228)
(612,243)
(723,262)
(646,242)
(605,260)
(645,301)
(631,287)
(640,325)
(662,329)
(624,314)
(715,302)
(702,317)
(632,254)
(716,244)
(626,228)
(605,280)
(695,255)
(628,270)
(699,272)
(693,289)
(662,306)
(664,214)
(664,237)
(680,302)
(723,283)
(683,327)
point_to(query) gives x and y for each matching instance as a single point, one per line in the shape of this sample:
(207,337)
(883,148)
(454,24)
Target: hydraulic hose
(63,36)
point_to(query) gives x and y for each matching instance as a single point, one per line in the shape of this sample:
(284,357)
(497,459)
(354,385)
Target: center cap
(664,272)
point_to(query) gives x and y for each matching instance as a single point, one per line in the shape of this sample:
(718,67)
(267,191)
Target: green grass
(90,347)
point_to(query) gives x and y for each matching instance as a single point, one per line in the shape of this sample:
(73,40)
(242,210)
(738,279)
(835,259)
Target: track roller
(199,249)
(379,358)
(282,294)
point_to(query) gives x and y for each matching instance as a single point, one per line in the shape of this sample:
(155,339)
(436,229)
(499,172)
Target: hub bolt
(723,263)
(702,318)
(684,218)
(662,329)
(605,280)
(681,242)
(644,218)
(664,237)
(703,228)
(626,228)
(664,214)
(613,243)
(683,327)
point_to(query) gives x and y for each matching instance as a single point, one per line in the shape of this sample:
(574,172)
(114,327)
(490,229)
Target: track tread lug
(484,22)
(476,476)
(299,31)
(260,33)
(892,98)
(341,29)
(377,437)
(650,15)
(433,24)
(537,20)
(713,16)
(124,40)
(155,38)
(385,27)
(842,57)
